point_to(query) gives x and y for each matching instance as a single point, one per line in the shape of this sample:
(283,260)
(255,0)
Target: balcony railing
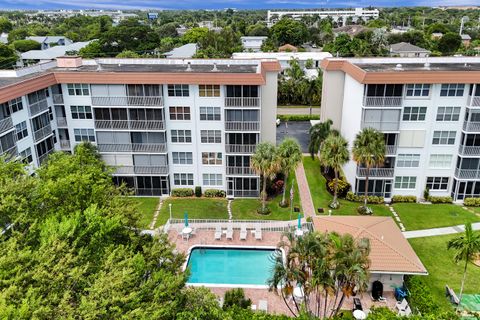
(42,133)
(44,156)
(6,124)
(473,101)
(243,171)
(57,98)
(382,125)
(65,144)
(127,101)
(247,102)
(391,150)
(240,148)
(383,102)
(375,172)
(133,147)
(37,107)
(242,126)
(130,124)
(10,153)
(61,122)
(467,173)
(469,150)
(471,126)
(141,170)
(244,193)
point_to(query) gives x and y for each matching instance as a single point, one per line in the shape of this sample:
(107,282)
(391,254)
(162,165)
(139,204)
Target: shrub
(421,296)
(426,194)
(298,117)
(343,187)
(472,202)
(214,193)
(182,192)
(446,199)
(236,298)
(198,191)
(263,212)
(370,199)
(409,199)
(334,205)
(364,211)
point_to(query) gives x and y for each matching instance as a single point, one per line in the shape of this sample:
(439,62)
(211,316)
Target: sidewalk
(304,190)
(438,231)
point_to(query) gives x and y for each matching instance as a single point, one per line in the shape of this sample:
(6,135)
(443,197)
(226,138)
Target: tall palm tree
(318,133)
(467,247)
(334,154)
(290,155)
(368,150)
(265,162)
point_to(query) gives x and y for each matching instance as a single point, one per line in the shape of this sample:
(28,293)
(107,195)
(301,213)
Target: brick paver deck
(304,190)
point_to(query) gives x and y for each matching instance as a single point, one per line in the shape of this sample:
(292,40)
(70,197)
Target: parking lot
(296,129)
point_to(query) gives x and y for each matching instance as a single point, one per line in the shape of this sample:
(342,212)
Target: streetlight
(170,207)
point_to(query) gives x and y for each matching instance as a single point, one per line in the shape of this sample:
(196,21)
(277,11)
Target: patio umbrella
(185,216)
(299,225)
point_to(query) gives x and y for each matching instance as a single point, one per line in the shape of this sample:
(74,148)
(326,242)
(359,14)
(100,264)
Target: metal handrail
(130,124)
(242,125)
(6,124)
(37,107)
(133,147)
(127,101)
(375,172)
(247,171)
(382,101)
(240,148)
(469,150)
(467,173)
(248,102)
(42,133)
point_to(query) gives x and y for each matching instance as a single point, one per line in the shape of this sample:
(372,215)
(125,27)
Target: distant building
(466,39)
(51,41)
(35,56)
(184,52)
(210,25)
(436,35)
(182,30)
(251,43)
(407,50)
(287,48)
(152,15)
(351,30)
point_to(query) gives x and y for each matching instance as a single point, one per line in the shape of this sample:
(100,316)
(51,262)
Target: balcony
(471,126)
(65,144)
(6,124)
(242,102)
(163,170)
(242,126)
(42,133)
(244,193)
(375,172)
(242,171)
(240,148)
(473,101)
(130,124)
(133,147)
(61,122)
(156,101)
(10,153)
(391,150)
(382,125)
(57,98)
(37,107)
(469,150)
(378,102)
(467,173)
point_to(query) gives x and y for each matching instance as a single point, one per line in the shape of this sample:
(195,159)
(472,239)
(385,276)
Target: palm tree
(467,247)
(265,162)
(290,155)
(334,154)
(318,133)
(369,150)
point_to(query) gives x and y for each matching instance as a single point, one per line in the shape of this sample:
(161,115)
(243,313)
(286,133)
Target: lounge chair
(405,313)
(230,232)
(218,233)
(401,306)
(243,232)
(258,233)
(263,305)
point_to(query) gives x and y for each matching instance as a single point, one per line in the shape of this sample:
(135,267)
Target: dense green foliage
(438,199)
(8,57)
(25,45)
(472,202)
(182,192)
(400,198)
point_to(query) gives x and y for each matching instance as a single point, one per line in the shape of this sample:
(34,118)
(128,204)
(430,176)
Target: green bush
(364,211)
(298,117)
(421,297)
(343,187)
(426,194)
(214,193)
(472,202)
(370,199)
(446,199)
(198,191)
(236,298)
(182,192)
(409,199)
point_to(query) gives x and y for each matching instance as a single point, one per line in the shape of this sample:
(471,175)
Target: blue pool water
(231,266)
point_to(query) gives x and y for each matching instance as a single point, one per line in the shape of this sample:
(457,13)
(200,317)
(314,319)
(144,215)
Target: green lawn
(416,216)
(322,198)
(441,268)
(146,206)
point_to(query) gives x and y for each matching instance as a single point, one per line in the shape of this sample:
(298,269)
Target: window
(408,160)
(210,113)
(405,182)
(440,161)
(418,90)
(36,96)
(78,89)
(182,158)
(209,90)
(143,90)
(437,183)
(444,137)
(21,130)
(181,136)
(84,135)
(213,158)
(414,113)
(26,155)
(183,179)
(178,90)
(211,136)
(16,104)
(81,112)
(452,90)
(179,113)
(448,113)
(212,179)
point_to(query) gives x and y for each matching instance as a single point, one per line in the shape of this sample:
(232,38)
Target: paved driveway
(296,129)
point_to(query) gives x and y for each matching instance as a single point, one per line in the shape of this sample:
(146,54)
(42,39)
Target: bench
(451,294)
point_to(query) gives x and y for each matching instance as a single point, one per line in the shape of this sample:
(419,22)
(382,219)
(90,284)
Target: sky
(220,4)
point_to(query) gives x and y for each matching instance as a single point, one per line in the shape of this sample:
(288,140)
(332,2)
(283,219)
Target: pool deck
(269,239)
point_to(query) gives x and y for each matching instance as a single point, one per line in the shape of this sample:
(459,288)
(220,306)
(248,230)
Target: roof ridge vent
(214,67)
(426,65)
(99,67)
(398,66)
(189,67)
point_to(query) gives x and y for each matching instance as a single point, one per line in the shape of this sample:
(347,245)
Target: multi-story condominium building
(162,123)
(429,112)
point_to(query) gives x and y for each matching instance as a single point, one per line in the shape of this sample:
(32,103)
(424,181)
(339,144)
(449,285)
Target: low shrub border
(370,199)
(298,117)
(471,202)
(436,200)
(407,199)
(214,193)
(182,192)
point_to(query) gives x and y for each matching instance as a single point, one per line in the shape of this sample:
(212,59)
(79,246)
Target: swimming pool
(234,266)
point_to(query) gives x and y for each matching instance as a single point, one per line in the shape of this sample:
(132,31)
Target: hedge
(298,117)
(182,192)
(409,199)
(343,187)
(214,193)
(472,202)
(370,199)
(198,191)
(446,199)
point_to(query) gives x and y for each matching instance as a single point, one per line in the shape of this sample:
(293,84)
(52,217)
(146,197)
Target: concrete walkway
(304,190)
(438,231)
